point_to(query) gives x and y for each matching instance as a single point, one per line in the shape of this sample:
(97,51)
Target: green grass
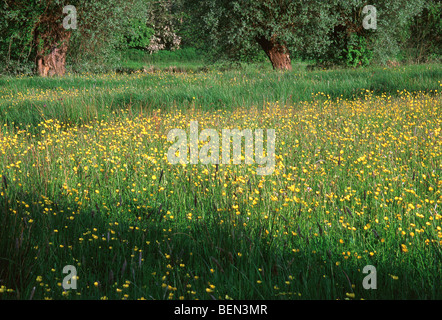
(357,182)
(184,60)
(79,99)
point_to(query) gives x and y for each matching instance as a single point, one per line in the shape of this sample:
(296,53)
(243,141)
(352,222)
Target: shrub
(357,52)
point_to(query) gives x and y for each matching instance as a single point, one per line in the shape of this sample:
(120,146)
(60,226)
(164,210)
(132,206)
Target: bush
(357,52)
(139,35)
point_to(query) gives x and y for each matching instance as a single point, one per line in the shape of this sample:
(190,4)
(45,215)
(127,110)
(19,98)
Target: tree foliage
(308,29)
(422,39)
(30,28)
(328,31)
(163,18)
(139,34)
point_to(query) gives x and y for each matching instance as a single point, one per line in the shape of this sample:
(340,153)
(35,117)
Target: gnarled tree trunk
(53,63)
(277,53)
(52,42)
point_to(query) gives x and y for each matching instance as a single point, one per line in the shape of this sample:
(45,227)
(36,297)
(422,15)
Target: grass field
(357,181)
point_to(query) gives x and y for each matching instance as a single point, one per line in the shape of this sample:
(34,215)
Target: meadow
(85,181)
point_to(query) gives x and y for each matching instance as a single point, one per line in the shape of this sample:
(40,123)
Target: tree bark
(53,63)
(277,53)
(52,42)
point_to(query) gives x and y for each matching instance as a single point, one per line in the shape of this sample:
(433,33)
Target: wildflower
(404,248)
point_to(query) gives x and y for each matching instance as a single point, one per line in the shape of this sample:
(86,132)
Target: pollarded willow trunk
(53,63)
(277,53)
(52,45)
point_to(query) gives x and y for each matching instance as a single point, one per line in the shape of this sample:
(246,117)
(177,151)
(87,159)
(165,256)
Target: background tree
(422,39)
(163,17)
(275,26)
(310,29)
(329,31)
(32,31)
(353,45)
